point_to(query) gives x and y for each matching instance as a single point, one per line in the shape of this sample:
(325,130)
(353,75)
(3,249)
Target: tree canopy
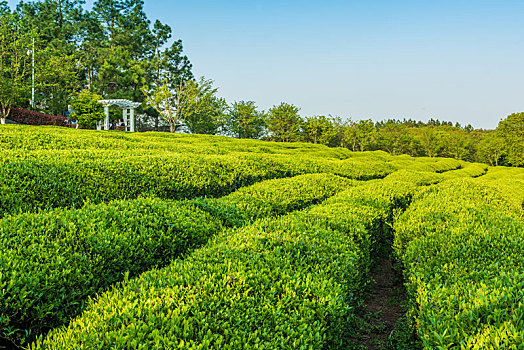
(112,50)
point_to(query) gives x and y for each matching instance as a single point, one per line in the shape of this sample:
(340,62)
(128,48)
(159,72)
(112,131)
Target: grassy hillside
(153,241)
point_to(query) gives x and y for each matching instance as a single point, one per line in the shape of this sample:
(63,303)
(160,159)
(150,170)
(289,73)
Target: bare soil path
(384,306)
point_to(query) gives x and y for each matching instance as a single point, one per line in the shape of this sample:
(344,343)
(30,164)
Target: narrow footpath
(384,307)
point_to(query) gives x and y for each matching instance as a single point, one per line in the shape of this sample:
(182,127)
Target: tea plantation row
(117,240)
(288,282)
(32,179)
(462,246)
(51,262)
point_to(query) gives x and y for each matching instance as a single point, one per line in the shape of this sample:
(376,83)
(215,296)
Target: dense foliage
(48,168)
(102,243)
(194,241)
(86,109)
(289,282)
(24,116)
(461,245)
(51,262)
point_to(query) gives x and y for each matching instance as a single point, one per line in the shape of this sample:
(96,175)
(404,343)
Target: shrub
(47,183)
(86,108)
(461,245)
(101,243)
(50,263)
(274,197)
(277,283)
(289,282)
(24,116)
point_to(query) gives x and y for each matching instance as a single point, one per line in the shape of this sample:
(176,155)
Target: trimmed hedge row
(39,185)
(50,263)
(101,243)
(461,244)
(257,288)
(273,197)
(33,185)
(25,116)
(438,165)
(28,138)
(291,282)
(467,170)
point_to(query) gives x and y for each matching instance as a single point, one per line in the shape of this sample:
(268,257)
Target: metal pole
(33,85)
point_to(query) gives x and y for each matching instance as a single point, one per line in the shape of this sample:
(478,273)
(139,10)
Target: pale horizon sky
(459,61)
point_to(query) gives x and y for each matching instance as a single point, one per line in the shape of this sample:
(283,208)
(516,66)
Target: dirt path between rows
(384,306)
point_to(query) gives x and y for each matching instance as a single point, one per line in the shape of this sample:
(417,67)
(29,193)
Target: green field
(111,240)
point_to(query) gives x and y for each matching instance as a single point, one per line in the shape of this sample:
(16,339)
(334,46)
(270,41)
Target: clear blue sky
(453,60)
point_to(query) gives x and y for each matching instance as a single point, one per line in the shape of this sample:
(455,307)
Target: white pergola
(128,113)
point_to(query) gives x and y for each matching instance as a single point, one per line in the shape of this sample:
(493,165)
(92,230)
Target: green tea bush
(107,241)
(265,286)
(438,165)
(461,245)
(290,282)
(467,170)
(51,262)
(28,138)
(47,182)
(273,197)
(41,185)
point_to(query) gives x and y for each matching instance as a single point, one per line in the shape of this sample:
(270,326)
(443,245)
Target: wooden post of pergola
(128,112)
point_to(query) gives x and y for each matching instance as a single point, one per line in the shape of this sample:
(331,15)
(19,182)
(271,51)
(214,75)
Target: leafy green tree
(430,140)
(395,139)
(350,136)
(284,122)
(126,49)
(511,130)
(168,65)
(91,48)
(490,149)
(108,12)
(244,121)
(203,112)
(15,63)
(455,142)
(4,8)
(359,136)
(111,50)
(336,137)
(57,21)
(56,66)
(319,129)
(86,108)
(57,79)
(365,134)
(167,102)
(161,34)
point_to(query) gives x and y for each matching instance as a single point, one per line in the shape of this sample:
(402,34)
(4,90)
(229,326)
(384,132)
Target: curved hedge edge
(34,185)
(273,198)
(50,263)
(461,244)
(289,281)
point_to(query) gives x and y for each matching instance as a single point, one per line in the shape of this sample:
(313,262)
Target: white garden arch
(128,113)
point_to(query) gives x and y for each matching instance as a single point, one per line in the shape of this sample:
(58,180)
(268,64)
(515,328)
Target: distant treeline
(503,146)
